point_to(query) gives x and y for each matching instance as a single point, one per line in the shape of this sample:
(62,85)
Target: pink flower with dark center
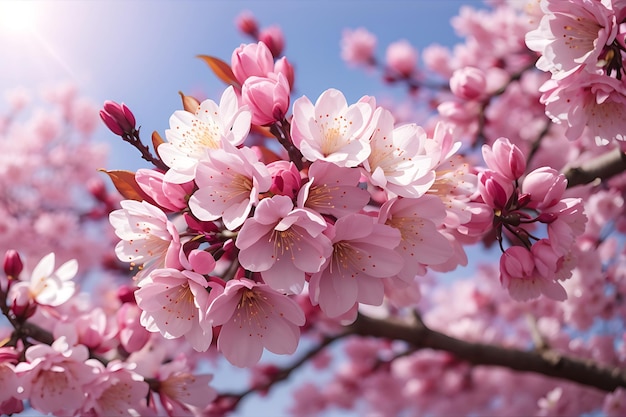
(116,391)
(182,392)
(174,303)
(363,253)
(283,244)
(421,244)
(55,377)
(253,317)
(229,182)
(572,34)
(333,190)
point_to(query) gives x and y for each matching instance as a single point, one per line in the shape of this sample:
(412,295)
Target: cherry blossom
(280,242)
(254,317)
(331,130)
(191,134)
(229,181)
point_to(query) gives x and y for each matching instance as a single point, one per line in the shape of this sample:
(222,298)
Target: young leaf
(124,182)
(221,69)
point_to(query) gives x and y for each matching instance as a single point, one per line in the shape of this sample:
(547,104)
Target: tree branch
(546,362)
(601,167)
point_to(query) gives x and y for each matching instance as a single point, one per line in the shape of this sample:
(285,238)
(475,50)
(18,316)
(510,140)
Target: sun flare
(18,16)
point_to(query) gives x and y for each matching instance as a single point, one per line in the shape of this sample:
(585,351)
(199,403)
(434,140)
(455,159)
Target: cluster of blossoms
(267,218)
(93,358)
(532,265)
(582,45)
(352,207)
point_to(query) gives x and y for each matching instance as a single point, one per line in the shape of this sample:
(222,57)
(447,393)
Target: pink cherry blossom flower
(505,158)
(8,378)
(331,130)
(46,285)
(148,237)
(55,377)
(191,134)
(116,391)
(357,46)
(132,335)
(592,102)
(253,316)
(283,244)
(421,243)
(363,253)
(520,277)
(395,163)
(229,183)
(182,392)
(267,98)
(571,35)
(401,58)
(333,190)
(174,303)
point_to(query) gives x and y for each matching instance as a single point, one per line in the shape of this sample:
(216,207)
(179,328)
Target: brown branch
(547,362)
(601,167)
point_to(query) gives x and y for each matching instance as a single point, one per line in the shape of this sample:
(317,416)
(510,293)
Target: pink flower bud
(468,83)
(545,186)
(247,24)
(253,59)
(494,188)
(282,66)
(168,196)
(274,39)
(12,264)
(357,47)
(118,118)
(401,58)
(505,158)
(286,178)
(267,98)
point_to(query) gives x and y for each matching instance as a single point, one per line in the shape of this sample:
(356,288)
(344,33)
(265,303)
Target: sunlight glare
(18,17)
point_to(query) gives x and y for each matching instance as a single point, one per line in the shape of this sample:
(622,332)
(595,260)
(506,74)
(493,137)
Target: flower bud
(545,186)
(118,118)
(274,39)
(286,178)
(495,189)
(505,158)
(267,98)
(282,66)
(253,59)
(468,83)
(247,24)
(401,58)
(13,265)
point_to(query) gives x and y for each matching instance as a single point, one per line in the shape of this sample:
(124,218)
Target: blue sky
(143,53)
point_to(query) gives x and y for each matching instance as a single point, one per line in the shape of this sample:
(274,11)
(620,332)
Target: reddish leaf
(190,104)
(157,140)
(221,69)
(124,182)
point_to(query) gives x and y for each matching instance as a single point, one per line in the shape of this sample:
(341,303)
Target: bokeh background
(143,53)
